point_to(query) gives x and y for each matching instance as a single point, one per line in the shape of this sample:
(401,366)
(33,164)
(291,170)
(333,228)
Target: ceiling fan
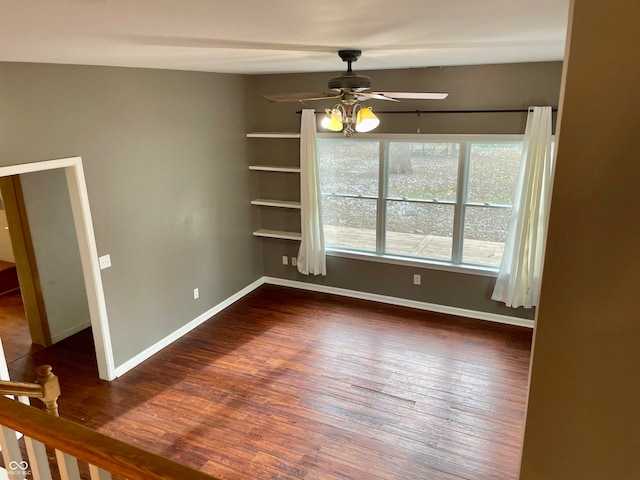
(351,88)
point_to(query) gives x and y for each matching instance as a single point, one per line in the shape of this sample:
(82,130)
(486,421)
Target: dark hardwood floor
(14,329)
(290,384)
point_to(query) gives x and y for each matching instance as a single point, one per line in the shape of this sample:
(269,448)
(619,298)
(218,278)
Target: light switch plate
(104,261)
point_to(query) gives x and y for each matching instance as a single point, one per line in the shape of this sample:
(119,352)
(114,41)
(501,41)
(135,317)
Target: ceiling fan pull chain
(418,129)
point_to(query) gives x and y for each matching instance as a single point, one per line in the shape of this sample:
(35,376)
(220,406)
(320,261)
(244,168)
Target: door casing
(77,187)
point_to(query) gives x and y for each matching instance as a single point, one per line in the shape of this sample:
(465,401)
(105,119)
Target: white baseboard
(70,331)
(403,302)
(155,348)
(11,290)
(432,307)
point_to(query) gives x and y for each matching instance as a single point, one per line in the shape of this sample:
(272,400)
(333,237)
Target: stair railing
(105,457)
(46,388)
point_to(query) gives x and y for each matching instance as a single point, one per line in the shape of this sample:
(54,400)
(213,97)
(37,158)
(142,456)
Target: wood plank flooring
(287,384)
(14,329)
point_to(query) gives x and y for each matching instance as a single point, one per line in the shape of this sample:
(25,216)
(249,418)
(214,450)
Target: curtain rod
(418,112)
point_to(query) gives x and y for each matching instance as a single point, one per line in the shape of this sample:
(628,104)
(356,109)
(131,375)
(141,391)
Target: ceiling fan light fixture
(366,120)
(326,120)
(332,120)
(349,119)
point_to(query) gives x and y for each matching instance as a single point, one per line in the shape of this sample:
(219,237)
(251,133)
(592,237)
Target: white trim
(70,331)
(461,312)
(431,137)
(9,170)
(88,252)
(155,348)
(91,269)
(6,292)
(4,369)
(414,262)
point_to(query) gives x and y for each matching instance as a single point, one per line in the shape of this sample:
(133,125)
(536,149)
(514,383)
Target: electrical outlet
(294,261)
(417,279)
(285,260)
(196,293)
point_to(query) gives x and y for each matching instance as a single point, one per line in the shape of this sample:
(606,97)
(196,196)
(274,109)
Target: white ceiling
(261,36)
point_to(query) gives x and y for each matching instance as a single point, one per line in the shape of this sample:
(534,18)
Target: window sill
(414,262)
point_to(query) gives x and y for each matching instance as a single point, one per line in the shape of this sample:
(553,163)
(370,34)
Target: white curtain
(311,257)
(518,282)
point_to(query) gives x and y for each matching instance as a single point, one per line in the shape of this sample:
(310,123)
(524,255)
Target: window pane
(419,230)
(485,230)
(348,166)
(493,172)
(349,222)
(420,170)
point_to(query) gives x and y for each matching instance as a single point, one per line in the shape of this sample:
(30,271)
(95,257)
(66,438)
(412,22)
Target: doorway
(15,333)
(23,320)
(81,217)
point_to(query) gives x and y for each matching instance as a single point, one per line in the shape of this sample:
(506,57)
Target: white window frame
(460,204)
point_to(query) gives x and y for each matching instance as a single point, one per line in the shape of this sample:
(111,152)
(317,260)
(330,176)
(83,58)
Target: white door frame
(88,252)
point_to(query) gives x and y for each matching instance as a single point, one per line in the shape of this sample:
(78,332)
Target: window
(349,184)
(442,199)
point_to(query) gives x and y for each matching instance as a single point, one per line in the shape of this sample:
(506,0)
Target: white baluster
(38,459)
(16,467)
(4,369)
(98,473)
(68,466)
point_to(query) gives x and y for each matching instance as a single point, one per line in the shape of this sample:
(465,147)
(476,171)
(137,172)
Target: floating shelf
(274,168)
(278,234)
(273,135)
(275,203)
(265,202)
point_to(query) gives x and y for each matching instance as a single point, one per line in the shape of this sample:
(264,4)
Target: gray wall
(513,86)
(53,235)
(164,154)
(582,420)
(165,158)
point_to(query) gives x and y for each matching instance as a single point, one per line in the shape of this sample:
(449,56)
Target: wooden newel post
(50,388)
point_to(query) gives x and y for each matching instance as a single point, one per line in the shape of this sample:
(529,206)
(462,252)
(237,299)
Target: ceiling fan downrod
(349,56)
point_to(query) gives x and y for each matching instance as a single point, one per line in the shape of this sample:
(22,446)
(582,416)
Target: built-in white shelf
(263,232)
(273,135)
(265,202)
(278,234)
(274,168)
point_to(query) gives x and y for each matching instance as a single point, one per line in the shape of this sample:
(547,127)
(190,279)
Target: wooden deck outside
(432,247)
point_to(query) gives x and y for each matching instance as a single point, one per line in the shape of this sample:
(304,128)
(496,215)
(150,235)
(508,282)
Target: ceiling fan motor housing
(350,81)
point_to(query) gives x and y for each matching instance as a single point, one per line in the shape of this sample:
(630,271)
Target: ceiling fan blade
(414,95)
(300,97)
(373,95)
